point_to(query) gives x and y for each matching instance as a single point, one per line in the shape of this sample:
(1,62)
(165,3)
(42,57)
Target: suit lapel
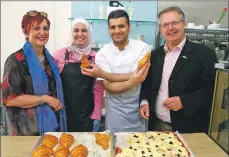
(159,67)
(184,56)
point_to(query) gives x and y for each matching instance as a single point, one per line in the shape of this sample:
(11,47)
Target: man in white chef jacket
(119,60)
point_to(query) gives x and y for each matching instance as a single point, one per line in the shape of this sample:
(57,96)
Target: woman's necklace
(42,59)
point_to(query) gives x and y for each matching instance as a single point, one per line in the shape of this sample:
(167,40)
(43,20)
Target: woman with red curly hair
(31,87)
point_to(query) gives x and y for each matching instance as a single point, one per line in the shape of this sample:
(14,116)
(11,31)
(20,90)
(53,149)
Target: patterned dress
(17,81)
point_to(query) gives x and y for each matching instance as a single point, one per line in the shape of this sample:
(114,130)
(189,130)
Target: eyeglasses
(35,13)
(173,23)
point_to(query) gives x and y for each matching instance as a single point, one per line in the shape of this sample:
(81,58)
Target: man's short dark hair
(117,14)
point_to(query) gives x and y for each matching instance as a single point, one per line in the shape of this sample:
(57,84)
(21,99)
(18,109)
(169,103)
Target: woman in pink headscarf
(83,95)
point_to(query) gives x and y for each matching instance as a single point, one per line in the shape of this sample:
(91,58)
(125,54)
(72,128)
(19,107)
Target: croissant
(84,61)
(79,151)
(66,140)
(144,60)
(102,140)
(49,140)
(61,151)
(42,151)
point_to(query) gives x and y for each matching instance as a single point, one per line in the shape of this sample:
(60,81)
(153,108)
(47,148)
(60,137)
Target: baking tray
(87,139)
(116,139)
(121,138)
(183,141)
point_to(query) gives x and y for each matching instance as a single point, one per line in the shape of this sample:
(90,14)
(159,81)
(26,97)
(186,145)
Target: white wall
(12,38)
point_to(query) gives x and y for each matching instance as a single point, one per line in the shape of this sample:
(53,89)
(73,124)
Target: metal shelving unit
(207,34)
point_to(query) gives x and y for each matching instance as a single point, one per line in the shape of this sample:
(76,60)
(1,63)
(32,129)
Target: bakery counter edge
(21,146)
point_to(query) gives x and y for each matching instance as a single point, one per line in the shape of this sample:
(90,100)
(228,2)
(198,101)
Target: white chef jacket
(112,60)
(122,109)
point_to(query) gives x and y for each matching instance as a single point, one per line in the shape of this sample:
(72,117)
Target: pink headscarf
(76,50)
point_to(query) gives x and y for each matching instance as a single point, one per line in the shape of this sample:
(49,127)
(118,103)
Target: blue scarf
(47,121)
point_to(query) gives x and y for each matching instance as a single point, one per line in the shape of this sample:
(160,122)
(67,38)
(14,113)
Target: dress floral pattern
(17,81)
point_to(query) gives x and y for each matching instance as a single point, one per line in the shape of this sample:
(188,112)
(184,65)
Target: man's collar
(179,46)
(128,44)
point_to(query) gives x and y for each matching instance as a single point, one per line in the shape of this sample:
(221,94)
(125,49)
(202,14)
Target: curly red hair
(28,21)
